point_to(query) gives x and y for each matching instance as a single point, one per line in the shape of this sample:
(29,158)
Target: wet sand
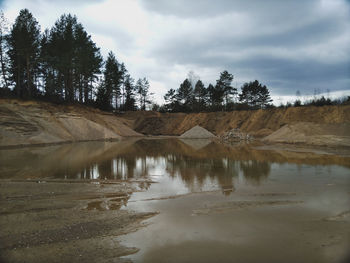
(65,222)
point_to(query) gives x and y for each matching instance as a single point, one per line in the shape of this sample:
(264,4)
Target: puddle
(216,203)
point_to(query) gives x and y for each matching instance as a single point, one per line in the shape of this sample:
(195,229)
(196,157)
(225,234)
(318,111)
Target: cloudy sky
(287,45)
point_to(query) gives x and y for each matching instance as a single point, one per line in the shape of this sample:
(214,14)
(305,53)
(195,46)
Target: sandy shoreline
(65,222)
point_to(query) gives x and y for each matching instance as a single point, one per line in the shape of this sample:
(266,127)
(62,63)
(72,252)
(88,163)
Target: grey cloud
(203,8)
(304,76)
(277,24)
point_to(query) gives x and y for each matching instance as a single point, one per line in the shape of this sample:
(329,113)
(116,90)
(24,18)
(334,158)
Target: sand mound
(197,132)
(312,133)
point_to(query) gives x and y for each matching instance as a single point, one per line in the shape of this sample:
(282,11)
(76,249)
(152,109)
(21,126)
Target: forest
(64,65)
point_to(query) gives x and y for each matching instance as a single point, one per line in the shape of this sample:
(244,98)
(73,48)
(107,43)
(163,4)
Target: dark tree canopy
(185,95)
(255,95)
(130,103)
(142,89)
(220,97)
(63,64)
(223,85)
(24,49)
(200,96)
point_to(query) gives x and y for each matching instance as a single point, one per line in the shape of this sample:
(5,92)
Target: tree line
(193,96)
(63,64)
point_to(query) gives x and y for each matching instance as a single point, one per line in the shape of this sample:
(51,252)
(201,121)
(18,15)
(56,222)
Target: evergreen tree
(171,103)
(200,96)
(129,94)
(113,78)
(24,44)
(142,89)
(211,95)
(87,62)
(123,74)
(216,94)
(185,96)
(145,94)
(102,97)
(47,72)
(224,85)
(62,52)
(71,61)
(255,95)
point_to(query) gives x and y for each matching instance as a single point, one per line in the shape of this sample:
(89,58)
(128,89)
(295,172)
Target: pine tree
(224,88)
(129,94)
(102,98)
(171,100)
(24,44)
(200,96)
(185,96)
(113,78)
(255,95)
(87,64)
(62,54)
(47,72)
(142,89)
(211,95)
(123,74)
(216,94)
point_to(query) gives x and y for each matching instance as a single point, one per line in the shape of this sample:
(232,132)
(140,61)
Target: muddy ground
(43,221)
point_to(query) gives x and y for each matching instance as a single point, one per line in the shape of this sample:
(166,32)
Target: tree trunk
(19,88)
(29,81)
(86,90)
(80,89)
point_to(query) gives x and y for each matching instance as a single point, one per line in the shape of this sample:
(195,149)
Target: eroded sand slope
(25,123)
(328,125)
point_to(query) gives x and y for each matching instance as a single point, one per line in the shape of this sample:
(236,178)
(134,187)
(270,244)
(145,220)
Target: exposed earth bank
(317,126)
(28,122)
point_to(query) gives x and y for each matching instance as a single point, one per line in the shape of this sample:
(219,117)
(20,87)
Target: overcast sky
(287,45)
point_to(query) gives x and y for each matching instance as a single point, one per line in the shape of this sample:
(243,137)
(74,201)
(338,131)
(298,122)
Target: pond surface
(216,203)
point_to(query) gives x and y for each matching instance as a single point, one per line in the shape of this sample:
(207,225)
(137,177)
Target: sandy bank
(28,123)
(328,125)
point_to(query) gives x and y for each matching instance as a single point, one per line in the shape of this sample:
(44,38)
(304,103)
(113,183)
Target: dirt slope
(23,123)
(332,124)
(37,122)
(312,134)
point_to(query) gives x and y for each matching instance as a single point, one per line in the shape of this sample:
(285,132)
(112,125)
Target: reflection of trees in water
(197,167)
(254,171)
(119,168)
(195,172)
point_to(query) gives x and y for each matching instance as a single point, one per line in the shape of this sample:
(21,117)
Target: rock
(236,135)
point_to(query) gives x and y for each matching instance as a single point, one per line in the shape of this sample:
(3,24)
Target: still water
(216,203)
